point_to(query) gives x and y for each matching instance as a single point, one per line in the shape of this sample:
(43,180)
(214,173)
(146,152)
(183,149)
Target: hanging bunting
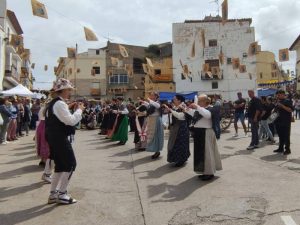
(123,51)
(224,11)
(145,68)
(93,72)
(26,54)
(55,69)
(205,67)
(284,55)
(46,67)
(203,38)
(39,9)
(242,68)
(90,35)
(129,69)
(149,62)
(33,66)
(235,63)
(221,58)
(71,53)
(193,51)
(253,48)
(215,70)
(114,61)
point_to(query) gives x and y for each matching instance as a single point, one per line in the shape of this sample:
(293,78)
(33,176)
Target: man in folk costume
(179,138)
(206,155)
(59,132)
(155,129)
(121,129)
(140,135)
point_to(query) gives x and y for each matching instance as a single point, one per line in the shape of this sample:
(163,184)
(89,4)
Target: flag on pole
(123,51)
(90,35)
(39,9)
(284,55)
(71,53)
(224,11)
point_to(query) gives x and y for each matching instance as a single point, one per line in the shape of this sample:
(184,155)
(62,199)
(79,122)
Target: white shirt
(156,105)
(41,113)
(205,121)
(62,112)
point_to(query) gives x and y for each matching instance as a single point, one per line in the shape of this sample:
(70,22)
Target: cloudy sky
(142,22)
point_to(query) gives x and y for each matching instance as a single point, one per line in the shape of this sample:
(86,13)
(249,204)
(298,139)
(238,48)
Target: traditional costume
(206,155)
(179,138)
(121,127)
(140,135)
(155,129)
(59,135)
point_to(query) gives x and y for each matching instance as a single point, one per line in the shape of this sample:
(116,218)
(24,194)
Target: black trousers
(199,149)
(61,152)
(284,133)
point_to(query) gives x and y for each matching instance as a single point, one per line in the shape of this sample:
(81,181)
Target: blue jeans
(264,127)
(254,132)
(3,131)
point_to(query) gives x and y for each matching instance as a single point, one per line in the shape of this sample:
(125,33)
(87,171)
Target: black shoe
(278,151)
(179,164)
(287,152)
(206,177)
(141,149)
(42,164)
(156,155)
(122,143)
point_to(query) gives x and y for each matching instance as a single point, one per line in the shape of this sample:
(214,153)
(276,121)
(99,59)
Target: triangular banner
(224,11)
(90,35)
(284,55)
(71,53)
(123,51)
(39,9)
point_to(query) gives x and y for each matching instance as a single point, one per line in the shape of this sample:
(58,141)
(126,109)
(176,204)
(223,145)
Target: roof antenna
(218,7)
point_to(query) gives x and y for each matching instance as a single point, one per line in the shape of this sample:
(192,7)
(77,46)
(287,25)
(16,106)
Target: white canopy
(19,90)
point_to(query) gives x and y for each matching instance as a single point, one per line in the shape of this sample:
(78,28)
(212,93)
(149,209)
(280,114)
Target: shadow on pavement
(30,158)
(126,153)
(26,214)
(127,165)
(24,148)
(24,153)
(172,193)
(275,157)
(6,192)
(19,172)
(161,171)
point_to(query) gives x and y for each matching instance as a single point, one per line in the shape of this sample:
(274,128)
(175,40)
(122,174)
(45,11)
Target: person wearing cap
(239,113)
(59,131)
(179,137)
(284,107)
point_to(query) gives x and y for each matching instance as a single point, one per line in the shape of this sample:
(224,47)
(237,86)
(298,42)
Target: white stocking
(65,179)
(54,181)
(48,167)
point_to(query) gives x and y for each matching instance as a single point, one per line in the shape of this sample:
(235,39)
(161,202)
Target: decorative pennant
(55,69)
(39,9)
(284,55)
(129,69)
(242,68)
(90,35)
(224,11)
(46,67)
(149,62)
(26,54)
(71,53)
(215,70)
(16,40)
(114,61)
(193,51)
(33,66)
(123,51)
(250,76)
(253,48)
(235,63)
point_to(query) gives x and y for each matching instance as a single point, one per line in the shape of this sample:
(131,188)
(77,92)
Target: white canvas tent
(19,90)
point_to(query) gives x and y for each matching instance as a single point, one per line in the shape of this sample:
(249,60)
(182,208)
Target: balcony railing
(210,76)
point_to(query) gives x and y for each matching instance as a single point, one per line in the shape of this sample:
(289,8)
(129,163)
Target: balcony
(212,76)
(164,78)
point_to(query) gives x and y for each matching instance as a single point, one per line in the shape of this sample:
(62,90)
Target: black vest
(54,127)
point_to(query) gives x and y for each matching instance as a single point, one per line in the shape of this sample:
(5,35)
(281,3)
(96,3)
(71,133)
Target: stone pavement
(115,185)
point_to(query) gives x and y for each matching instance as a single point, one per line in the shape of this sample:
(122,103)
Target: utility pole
(75,70)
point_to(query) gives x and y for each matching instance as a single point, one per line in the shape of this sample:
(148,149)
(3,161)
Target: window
(212,63)
(261,75)
(138,66)
(214,85)
(119,79)
(95,85)
(97,52)
(245,55)
(229,61)
(213,43)
(96,69)
(157,72)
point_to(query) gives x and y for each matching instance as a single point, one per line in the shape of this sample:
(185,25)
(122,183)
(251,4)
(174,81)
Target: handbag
(1,120)
(272,117)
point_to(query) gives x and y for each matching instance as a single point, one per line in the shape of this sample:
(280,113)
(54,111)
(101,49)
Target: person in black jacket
(6,115)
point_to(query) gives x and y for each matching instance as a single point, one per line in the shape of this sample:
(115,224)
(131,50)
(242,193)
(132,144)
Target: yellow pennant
(123,51)
(90,35)
(149,62)
(39,9)
(71,53)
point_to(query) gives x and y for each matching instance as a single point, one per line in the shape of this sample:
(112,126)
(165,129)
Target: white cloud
(142,22)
